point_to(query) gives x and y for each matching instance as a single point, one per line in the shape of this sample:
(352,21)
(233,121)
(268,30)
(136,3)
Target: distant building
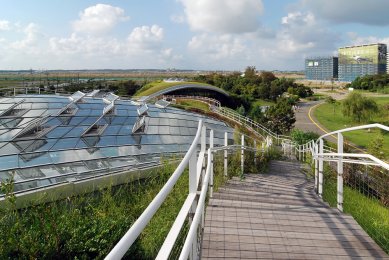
(355,61)
(321,68)
(387,63)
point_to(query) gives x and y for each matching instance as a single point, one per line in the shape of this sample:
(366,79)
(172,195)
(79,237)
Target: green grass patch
(88,226)
(261,102)
(332,118)
(370,214)
(156,86)
(189,104)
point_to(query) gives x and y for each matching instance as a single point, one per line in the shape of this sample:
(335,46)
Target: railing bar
(171,238)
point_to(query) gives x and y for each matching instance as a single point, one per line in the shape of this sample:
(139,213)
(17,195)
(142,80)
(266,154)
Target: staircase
(278,215)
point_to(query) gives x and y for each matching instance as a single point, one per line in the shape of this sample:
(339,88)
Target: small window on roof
(68,110)
(139,125)
(95,129)
(110,98)
(142,110)
(14,110)
(93,93)
(162,103)
(77,97)
(35,129)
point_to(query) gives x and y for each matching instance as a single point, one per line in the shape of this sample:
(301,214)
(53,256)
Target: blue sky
(183,34)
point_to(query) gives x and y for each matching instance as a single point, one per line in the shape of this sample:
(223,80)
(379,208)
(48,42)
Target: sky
(183,34)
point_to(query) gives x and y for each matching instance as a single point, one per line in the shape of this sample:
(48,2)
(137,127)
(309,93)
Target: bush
(301,137)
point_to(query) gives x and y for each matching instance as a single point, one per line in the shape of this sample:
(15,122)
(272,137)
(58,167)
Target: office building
(321,68)
(355,61)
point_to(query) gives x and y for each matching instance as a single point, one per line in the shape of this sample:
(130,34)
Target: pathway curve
(306,121)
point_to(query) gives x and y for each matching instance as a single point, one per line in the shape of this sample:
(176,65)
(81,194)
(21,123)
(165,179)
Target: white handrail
(132,234)
(356,155)
(320,154)
(198,213)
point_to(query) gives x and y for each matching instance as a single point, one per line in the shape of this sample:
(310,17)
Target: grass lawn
(335,120)
(186,104)
(160,85)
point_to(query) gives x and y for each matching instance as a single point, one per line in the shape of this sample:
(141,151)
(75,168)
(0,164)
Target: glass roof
(46,145)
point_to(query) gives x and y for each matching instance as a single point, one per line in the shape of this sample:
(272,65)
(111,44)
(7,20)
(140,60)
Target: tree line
(251,85)
(375,83)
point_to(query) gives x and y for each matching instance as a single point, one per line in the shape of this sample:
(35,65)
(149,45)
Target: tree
(358,107)
(127,88)
(256,113)
(250,72)
(280,118)
(267,76)
(332,101)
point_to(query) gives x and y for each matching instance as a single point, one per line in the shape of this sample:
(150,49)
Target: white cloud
(217,47)
(90,46)
(5,25)
(146,37)
(359,40)
(223,16)
(302,33)
(350,11)
(298,18)
(143,48)
(31,33)
(99,18)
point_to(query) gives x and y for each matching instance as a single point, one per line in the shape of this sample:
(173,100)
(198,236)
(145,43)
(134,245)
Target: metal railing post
(320,158)
(299,151)
(193,172)
(242,157)
(211,155)
(255,150)
(340,173)
(225,153)
(316,161)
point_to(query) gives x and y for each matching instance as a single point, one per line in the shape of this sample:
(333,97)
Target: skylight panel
(142,110)
(162,103)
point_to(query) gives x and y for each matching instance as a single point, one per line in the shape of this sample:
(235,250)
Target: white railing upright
(321,153)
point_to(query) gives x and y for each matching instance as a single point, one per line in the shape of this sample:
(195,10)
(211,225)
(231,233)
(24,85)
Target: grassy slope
(88,226)
(369,213)
(335,121)
(160,85)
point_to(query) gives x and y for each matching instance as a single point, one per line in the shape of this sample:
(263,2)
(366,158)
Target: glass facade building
(46,140)
(321,68)
(355,61)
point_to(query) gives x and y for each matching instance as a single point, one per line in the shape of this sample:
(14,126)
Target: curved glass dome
(46,140)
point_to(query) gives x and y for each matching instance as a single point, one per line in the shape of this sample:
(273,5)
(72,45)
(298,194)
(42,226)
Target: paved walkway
(277,215)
